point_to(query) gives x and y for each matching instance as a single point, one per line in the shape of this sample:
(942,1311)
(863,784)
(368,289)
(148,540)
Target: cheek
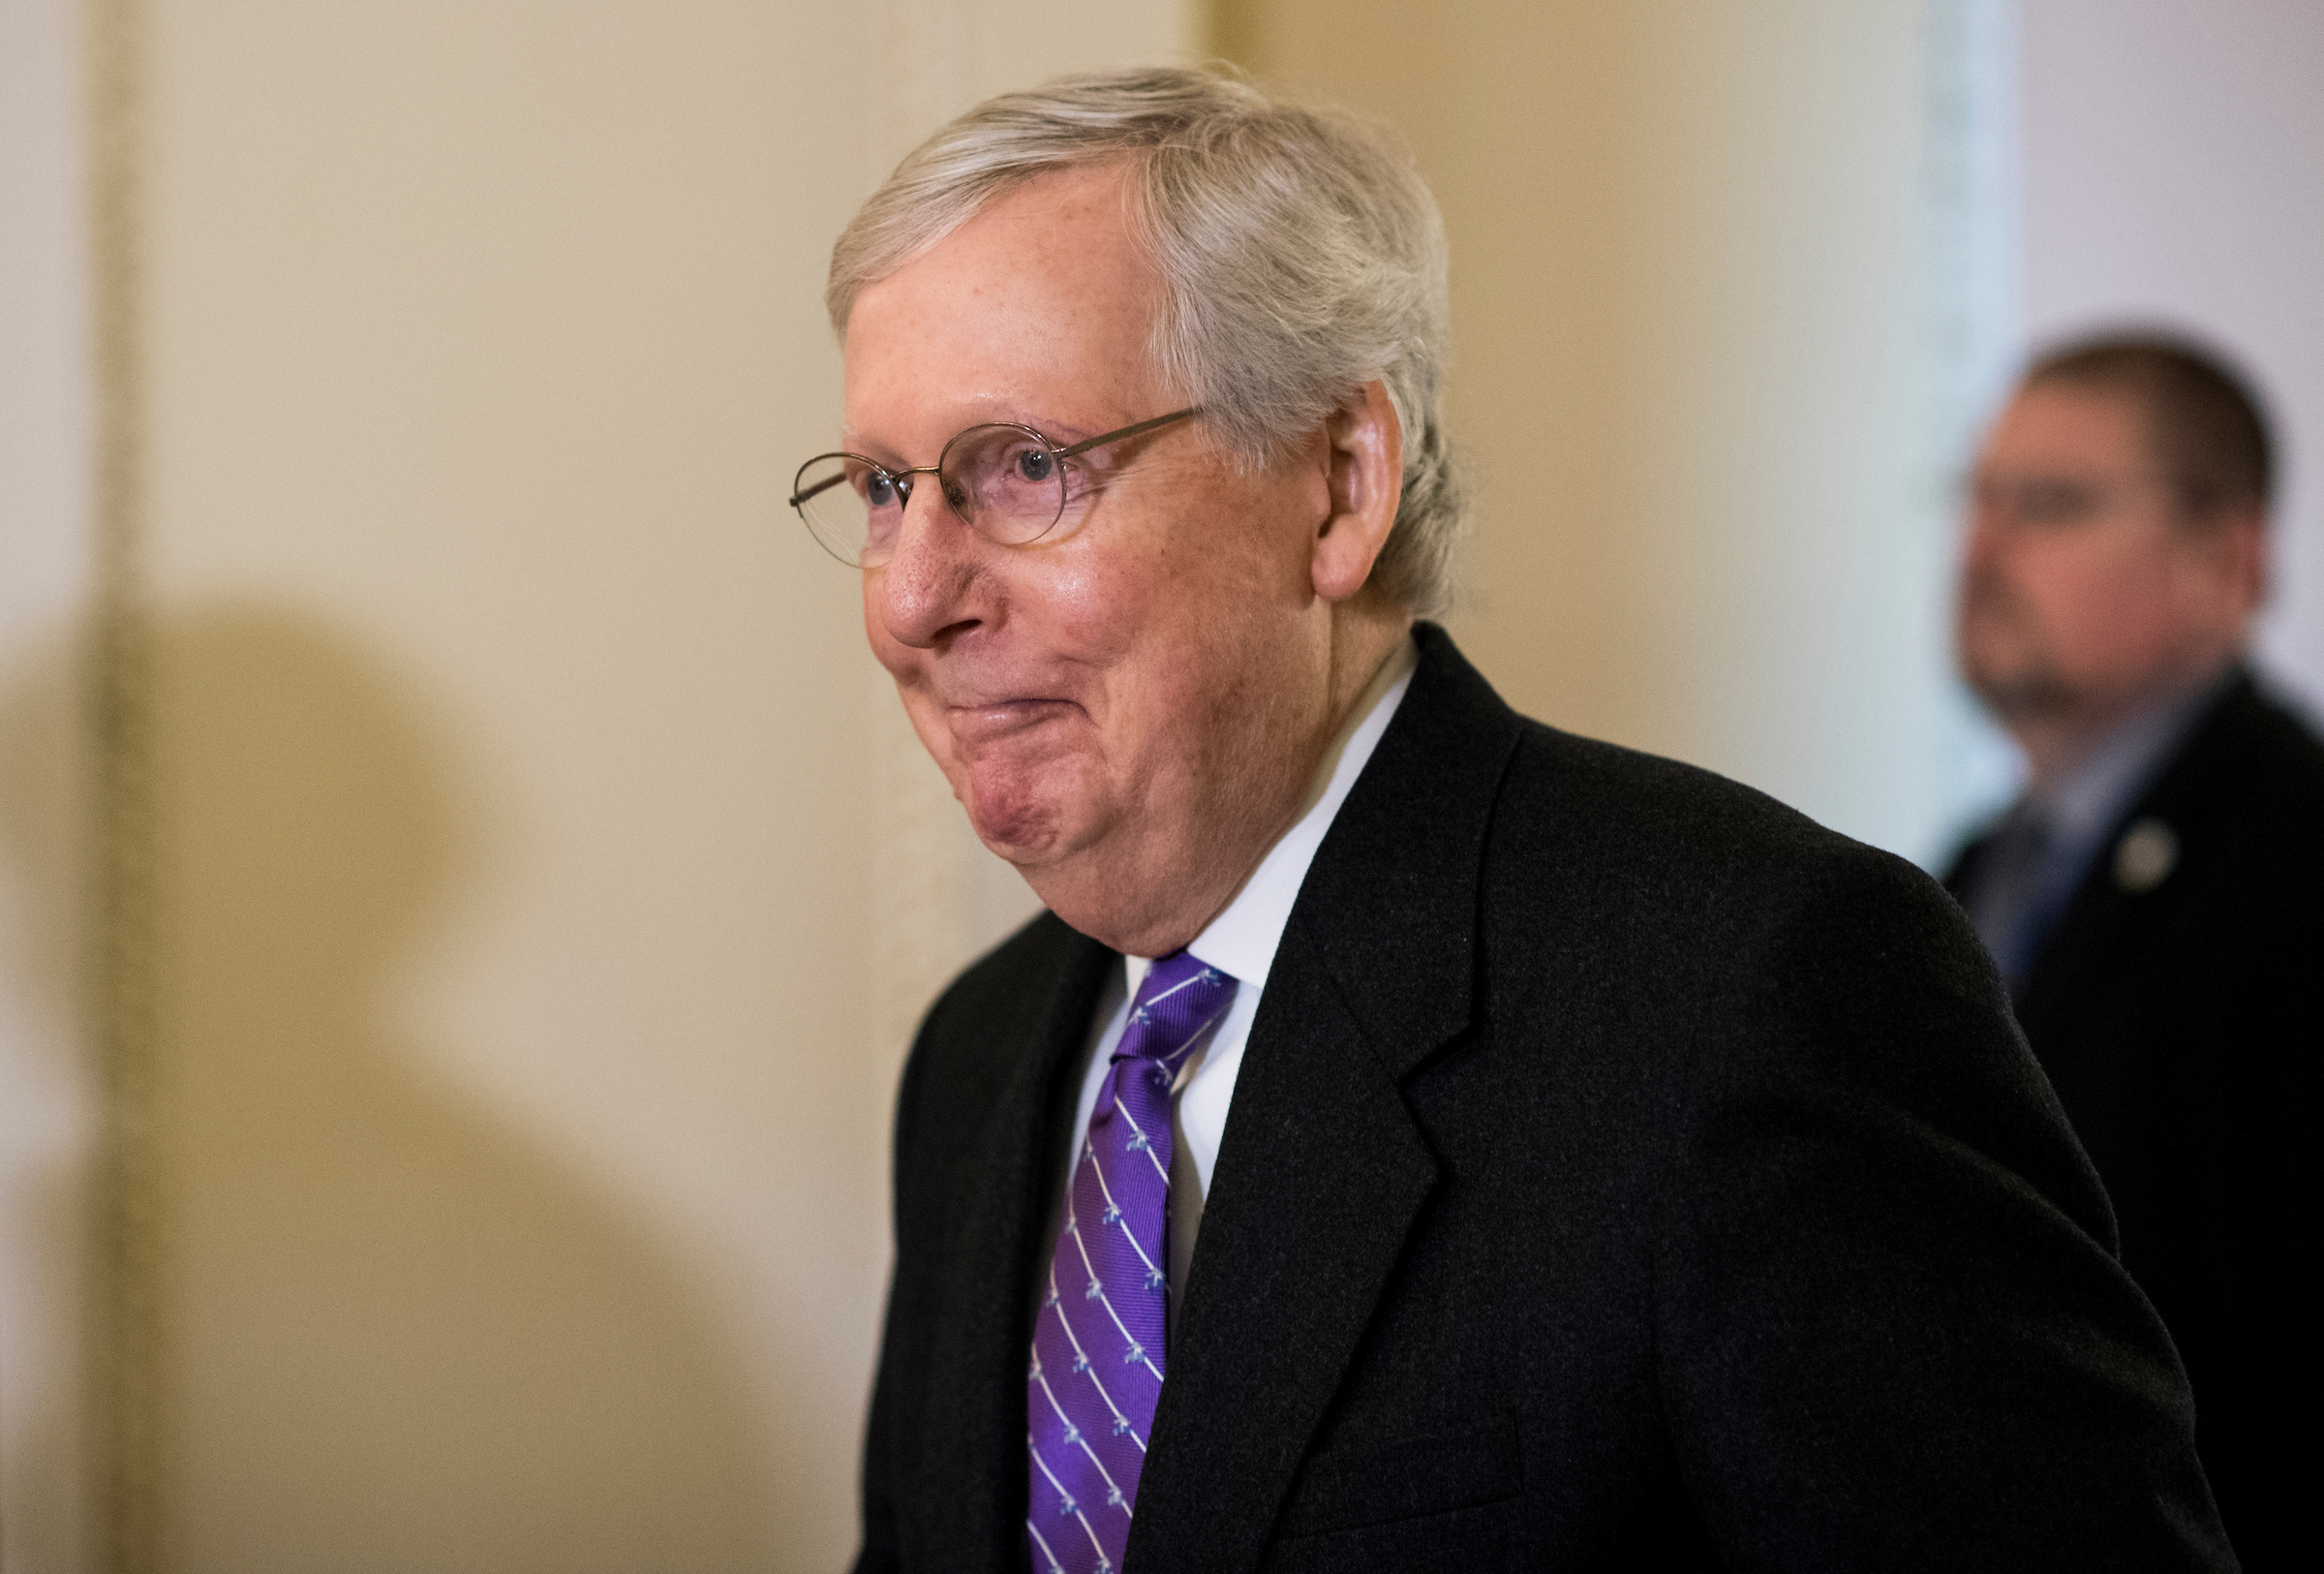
(2100,601)
(1158,614)
(887,651)
(1089,606)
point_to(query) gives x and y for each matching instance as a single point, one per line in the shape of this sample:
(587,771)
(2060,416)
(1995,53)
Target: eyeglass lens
(1006,482)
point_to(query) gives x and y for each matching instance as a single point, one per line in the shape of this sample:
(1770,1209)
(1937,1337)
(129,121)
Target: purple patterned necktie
(1098,1341)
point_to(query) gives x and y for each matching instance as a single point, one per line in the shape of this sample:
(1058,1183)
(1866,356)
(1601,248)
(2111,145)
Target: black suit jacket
(1622,1172)
(2182,1025)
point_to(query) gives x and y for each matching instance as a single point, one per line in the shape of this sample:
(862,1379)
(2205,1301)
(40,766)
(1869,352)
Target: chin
(1096,909)
(2028,693)
(1024,827)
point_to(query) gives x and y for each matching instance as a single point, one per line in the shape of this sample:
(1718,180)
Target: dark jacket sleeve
(1893,1332)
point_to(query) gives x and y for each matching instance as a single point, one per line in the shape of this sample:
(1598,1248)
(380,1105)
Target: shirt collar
(1242,941)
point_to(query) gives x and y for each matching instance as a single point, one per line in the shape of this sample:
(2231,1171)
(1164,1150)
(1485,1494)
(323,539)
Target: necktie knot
(1179,1000)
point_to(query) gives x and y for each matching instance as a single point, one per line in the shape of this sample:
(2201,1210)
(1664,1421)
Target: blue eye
(1036,464)
(879,490)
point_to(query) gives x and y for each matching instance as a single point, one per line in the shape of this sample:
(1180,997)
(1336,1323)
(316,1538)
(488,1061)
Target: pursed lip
(994,719)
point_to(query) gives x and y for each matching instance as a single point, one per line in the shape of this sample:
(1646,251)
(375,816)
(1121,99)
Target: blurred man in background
(2155,896)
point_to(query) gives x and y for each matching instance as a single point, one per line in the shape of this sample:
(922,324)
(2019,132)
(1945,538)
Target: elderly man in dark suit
(2155,896)
(1412,1138)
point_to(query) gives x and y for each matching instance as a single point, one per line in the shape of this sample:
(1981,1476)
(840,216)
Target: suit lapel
(2101,913)
(1322,1172)
(973,1499)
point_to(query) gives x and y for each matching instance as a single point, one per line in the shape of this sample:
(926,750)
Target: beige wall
(540,888)
(1697,369)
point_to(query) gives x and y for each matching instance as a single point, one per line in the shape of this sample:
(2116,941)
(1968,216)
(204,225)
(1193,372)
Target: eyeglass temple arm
(817,490)
(1103,438)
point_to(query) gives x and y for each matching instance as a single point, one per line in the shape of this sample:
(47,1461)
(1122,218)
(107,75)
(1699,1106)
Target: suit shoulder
(1664,854)
(1002,1009)
(2289,758)
(1627,805)
(1001,991)
(2250,783)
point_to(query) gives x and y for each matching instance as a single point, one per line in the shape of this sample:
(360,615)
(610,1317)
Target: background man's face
(2082,589)
(1134,697)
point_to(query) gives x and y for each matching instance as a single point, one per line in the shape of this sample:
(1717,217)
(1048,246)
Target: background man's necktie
(1098,1355)
(2006,903)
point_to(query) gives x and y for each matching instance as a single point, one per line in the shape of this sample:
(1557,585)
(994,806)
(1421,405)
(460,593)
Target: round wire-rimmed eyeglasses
(1003,480)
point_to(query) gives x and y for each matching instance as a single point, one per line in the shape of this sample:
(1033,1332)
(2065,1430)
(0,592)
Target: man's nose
(929,587)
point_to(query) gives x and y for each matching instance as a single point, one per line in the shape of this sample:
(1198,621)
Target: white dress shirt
(1241,942)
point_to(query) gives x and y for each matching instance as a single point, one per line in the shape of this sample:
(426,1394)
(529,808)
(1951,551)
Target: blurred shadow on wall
(44,804)
(401,1334)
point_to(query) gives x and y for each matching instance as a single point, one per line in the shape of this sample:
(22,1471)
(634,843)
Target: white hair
(1300,253)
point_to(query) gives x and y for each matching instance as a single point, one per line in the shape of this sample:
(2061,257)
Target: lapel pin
(2146,855)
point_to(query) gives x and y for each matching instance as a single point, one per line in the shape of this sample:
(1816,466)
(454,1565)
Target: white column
(49,1118)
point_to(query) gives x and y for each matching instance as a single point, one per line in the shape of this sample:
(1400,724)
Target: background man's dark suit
(2180,1026)
(1621,1167)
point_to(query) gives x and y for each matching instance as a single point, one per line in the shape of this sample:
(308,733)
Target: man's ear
(1365,461)
(2232,547)
(2250,535)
